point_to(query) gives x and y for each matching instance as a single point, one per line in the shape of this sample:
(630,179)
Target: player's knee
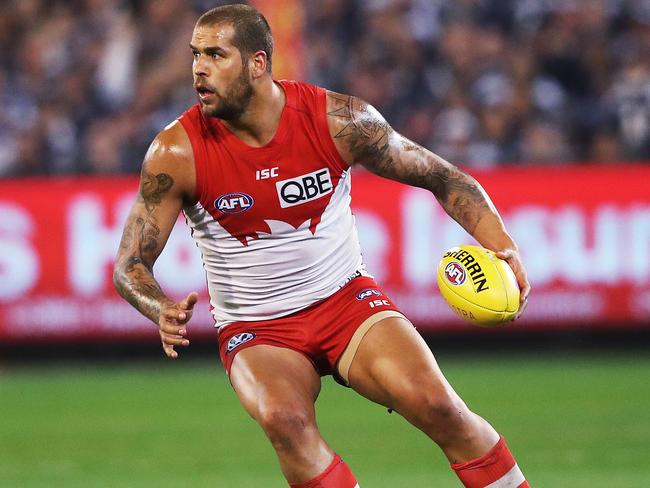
(443,416)
(286,426)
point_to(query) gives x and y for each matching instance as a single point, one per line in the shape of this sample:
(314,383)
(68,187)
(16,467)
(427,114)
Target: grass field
(572,422)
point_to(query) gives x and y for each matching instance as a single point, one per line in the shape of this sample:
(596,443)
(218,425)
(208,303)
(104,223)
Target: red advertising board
(584,233)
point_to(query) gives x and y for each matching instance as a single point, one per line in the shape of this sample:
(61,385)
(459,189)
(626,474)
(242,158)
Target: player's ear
(258,64)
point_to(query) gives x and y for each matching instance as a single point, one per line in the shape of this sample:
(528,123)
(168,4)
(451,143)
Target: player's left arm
(362,136)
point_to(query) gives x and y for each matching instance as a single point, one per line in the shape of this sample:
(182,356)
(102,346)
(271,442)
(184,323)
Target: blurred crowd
(485,82)
(86,84)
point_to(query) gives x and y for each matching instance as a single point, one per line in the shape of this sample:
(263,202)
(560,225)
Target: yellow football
(478,286)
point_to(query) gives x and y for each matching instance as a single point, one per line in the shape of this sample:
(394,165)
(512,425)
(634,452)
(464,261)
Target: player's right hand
(171,323)
(513,258)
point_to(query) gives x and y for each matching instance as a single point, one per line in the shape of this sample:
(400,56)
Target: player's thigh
(271,380)
(394,366)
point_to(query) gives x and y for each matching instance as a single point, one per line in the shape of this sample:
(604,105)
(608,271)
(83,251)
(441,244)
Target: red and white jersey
(273,223)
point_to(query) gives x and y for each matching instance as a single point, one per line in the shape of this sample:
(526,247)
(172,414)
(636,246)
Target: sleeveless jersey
(273,223)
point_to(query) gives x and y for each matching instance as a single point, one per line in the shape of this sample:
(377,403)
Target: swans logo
(234,203)
(239,339)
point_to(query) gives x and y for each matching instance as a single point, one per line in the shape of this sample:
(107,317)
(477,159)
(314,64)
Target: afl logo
(239,339)
(367,293)
(455,273)
(234,203)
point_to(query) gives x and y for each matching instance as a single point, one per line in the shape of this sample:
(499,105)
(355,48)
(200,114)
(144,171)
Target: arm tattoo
(139,248)
(365,132)
(461,196)
(370,141)
(153,187)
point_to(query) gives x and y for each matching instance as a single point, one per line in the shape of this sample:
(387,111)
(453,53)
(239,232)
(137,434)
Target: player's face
(221,79)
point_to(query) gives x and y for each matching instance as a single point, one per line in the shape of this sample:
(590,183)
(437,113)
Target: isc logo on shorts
(239,339)
(305,188)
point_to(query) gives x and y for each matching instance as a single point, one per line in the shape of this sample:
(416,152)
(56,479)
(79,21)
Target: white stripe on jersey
(512,479)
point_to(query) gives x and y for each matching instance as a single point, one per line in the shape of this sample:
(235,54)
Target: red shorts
(321,332)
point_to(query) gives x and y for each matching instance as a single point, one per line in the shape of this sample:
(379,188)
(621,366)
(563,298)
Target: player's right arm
(167,182)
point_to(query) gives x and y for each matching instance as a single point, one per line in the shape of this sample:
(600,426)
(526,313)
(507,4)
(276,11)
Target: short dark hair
(252,31)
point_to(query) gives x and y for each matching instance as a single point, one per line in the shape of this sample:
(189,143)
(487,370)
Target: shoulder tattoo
(362,129)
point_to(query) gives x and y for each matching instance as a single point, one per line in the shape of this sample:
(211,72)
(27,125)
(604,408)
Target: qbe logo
(455,273)
(234,203)
(305,188)
(239,339)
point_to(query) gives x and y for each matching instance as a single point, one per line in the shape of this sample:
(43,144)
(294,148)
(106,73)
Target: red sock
(495,469)
(337,475)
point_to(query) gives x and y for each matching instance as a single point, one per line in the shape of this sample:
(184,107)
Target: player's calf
(302,452)
(478,454)
(443,416)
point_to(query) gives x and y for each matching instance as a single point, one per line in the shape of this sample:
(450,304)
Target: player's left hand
(513,258)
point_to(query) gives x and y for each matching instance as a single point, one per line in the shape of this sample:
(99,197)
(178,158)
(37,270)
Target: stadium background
(547,102)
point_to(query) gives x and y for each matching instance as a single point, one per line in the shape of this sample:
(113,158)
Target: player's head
(232,47)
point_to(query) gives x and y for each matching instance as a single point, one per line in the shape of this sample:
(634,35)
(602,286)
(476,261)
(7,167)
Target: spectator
(83,83)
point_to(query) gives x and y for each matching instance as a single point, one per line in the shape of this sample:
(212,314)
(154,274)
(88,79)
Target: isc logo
(234,203)
(266,173)
(379,303)
(305,188)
